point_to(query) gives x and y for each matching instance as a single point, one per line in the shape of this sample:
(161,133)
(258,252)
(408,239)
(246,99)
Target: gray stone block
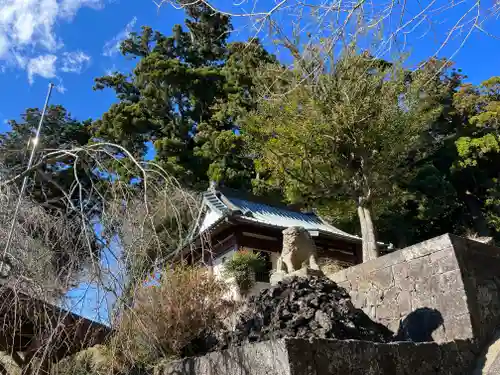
(458,277)
(382,279)
(427,247)
(455,277)
(269,357)
(443,261)
(329,357)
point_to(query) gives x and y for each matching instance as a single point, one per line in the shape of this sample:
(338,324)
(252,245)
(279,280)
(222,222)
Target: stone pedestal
(278,276)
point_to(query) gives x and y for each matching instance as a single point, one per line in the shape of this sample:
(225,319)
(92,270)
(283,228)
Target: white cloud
(27,23)
(70,7)
(4,46)
(28,32)
(112,47)
(111,71)
(24,29)
(19,59)
(61,88)
(74,62)
(44,66)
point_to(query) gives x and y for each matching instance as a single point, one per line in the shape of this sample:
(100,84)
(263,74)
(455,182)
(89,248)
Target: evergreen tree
(453,184)
(52,182)
(427,201)
(478,148)
(186,96)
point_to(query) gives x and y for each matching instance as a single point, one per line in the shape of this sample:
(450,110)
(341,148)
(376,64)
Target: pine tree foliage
(186,96)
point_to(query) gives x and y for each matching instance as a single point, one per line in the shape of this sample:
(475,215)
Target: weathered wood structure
(37,334)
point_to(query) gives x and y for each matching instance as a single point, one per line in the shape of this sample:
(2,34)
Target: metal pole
(25,179)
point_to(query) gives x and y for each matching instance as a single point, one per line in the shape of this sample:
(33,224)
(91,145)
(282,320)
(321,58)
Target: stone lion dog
(298,248)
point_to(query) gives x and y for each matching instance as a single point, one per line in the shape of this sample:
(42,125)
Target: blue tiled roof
(270,215)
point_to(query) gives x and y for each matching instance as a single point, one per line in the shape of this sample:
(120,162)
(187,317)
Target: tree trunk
(370,250)
(362,224)
(372,247)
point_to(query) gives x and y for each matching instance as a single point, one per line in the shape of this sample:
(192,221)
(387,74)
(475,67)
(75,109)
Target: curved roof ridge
(267,213)
(211,199)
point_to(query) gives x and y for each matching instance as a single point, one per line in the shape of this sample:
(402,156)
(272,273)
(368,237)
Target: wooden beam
(265,231)
(259,236)
(338,256)
(335,244)
(260,244)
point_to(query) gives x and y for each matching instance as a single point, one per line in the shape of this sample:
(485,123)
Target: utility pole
(34,143)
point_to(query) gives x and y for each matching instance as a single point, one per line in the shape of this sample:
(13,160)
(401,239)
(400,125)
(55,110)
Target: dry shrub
(8,363)
(471,235)
(166,318)
(330,266)
(91,361)
(78,364)
(148,231)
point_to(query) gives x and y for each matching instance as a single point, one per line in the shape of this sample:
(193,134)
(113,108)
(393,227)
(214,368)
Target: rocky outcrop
(280,276)
(313,307)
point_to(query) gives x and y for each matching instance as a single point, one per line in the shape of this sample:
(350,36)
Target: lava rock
(312,307)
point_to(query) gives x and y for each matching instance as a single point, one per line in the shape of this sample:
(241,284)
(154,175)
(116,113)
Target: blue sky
(71,42)
(83,47)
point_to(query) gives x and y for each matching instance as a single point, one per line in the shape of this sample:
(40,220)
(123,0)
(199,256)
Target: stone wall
(480,267)
(329,357)
(443,289)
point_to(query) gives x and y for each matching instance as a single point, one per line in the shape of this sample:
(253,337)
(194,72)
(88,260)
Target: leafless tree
(58,263)
(398,25)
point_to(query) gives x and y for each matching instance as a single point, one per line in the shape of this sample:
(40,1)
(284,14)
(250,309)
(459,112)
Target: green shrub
(243,266)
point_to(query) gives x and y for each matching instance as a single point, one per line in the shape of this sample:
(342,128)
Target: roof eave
(318,231)
(210,230)
(321,232)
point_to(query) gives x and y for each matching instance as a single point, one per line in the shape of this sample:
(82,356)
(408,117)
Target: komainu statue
(298,248)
